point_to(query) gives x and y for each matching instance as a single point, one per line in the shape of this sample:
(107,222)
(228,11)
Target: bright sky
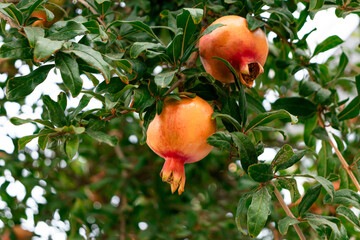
(326,23)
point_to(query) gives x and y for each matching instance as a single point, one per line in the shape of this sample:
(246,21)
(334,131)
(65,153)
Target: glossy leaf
(18,121)
(309,198)
(220,140)
(282,156)
(345,197)
(33,33)
(246,149)
(72,145)
(19,87)
(56,113)
(349,215)
(261,172)
(258,211)
(352,110)
(296,106)
(103,137)
(241,212)
(228,118)
(68,31)
(297,156)
(267,117)
(70,74)
(285,223)
(163,79)
(45,47)
(16,50)
(328,43)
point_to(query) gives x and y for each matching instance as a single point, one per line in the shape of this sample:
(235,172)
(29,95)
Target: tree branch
(287,211)
(344,164)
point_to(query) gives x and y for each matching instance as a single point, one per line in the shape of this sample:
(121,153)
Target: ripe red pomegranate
(245,50)
(179,135)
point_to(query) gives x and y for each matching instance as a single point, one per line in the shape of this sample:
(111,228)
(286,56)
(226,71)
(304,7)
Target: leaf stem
(287,211)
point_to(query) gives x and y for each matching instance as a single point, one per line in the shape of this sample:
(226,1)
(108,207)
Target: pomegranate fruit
(19,233)
(179,135)
(43,22)
(245,50)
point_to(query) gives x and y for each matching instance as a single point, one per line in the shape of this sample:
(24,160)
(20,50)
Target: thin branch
(344,164)
(287,211)
(88,6)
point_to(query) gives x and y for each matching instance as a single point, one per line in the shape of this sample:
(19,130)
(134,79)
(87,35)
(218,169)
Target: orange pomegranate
(179,135)
(18,232)
(42,21)
(245,50)
(51,5)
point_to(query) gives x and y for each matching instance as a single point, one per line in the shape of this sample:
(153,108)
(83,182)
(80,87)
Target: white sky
(326,22)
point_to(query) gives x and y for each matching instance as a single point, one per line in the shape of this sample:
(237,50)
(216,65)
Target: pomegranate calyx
(173,172)
(249,72)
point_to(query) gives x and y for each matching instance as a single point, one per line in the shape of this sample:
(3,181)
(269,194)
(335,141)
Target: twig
(344,164)
(287,211)
(88,6)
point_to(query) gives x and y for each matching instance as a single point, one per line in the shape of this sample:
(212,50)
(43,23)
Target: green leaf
(253,23)
(10,10)
(188,24)
(349,215)
(18,87)
(103,137)
(72,145)
(325,155)
(344,179)
(316,4)
(323,96)
(261,172)
(291,185)
(342,65)
(345,197)
(173,50)
(84,101)
(231,68)
(19,121)
(320,133)
(43,140)
(282,156)
(327,185)
(267,117)
(25,140)
(70,74)
(211,28)
(56,113)
(258,211)
(228,118)
(284,13)
(339,142)
(285,223)
(70,30)
(297,156)
(254,104)
(328,43)
(139,47)
(270,129)
(92,57)
(33,33)
(308,87)
(309,198)
(162,80)
(241,212)
(351,110)
(296,106)
(195,13)
(246,150)
(309,125)
(16,50)
(220,140)
(357,82)
(44,48)
(137,25)
(317,220)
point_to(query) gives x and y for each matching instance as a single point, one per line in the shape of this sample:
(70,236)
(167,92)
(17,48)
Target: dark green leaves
(220,140)
(261,172)
(345,197)
(316,5)
(267,117)
(246,149)
(68,31)
(103,137)
(351,110)
(241,212)
(297,156)
(283,155)
(163,79)
(285,223)
(291,185)
(45,47)
(69,70)
(228,118)
(295,105)
(258,211)
(309,198)
(328,43)
(92,57)
(16,50)
(253,23)
(56,113)
(18,87)
(349,215)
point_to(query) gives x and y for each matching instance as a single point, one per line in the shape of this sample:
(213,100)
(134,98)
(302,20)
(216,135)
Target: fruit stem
(287,211)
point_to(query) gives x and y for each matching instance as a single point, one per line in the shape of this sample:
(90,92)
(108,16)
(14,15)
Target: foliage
(102,182)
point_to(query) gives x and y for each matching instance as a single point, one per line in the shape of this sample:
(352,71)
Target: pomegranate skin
(179,136)
(245,50)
